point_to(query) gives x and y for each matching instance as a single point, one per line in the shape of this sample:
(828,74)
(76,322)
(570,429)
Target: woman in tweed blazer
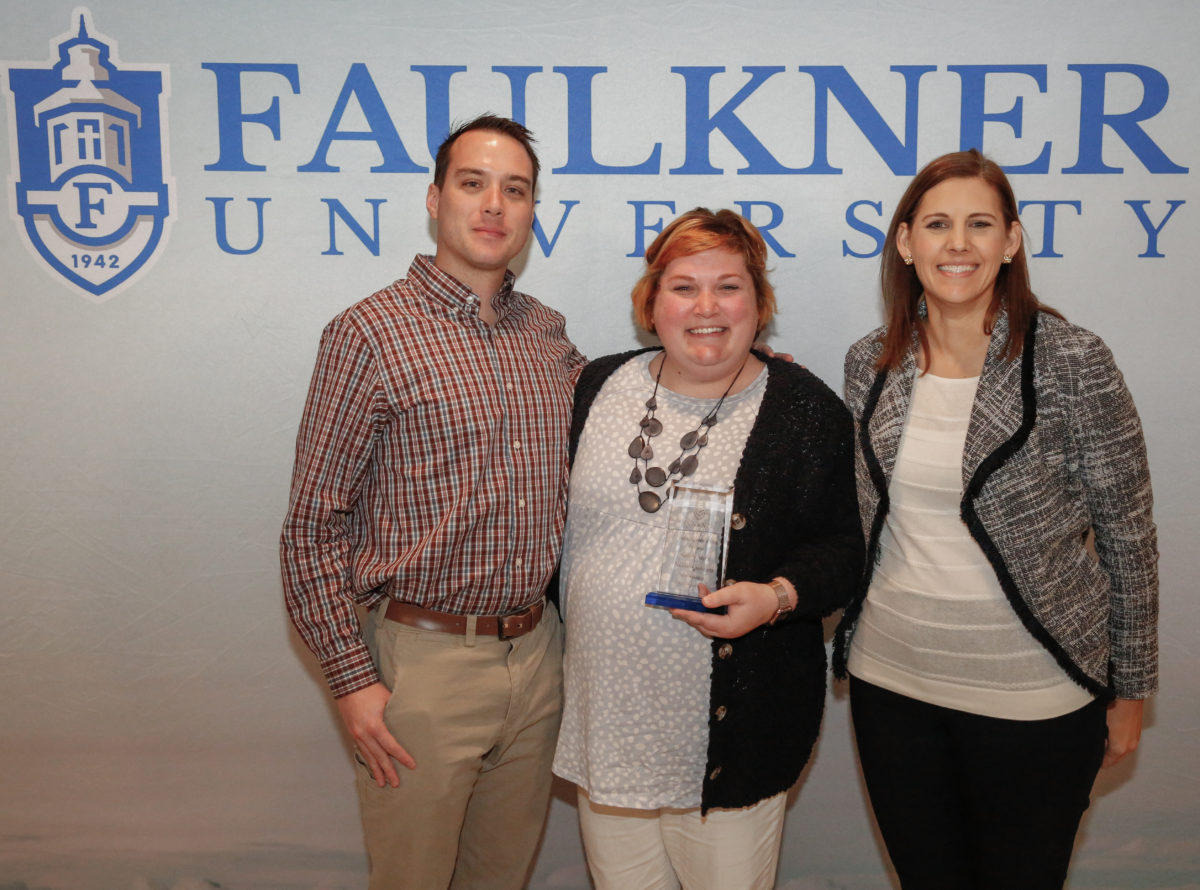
(996,662)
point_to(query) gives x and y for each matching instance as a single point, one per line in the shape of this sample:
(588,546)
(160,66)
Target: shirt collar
(448,289)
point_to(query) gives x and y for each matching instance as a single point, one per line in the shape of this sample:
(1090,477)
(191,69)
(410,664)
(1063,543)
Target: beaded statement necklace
(690,446)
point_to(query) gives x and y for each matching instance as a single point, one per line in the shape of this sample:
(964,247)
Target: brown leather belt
(506,627)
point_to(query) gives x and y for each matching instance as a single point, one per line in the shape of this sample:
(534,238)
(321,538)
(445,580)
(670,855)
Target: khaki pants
(666,848)
(480,717)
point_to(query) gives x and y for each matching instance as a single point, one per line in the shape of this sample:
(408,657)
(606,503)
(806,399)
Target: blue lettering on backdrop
(111,194)
(380,130)
(579,128)
(699,123)
(539,233)
(1139,208)
(219,210)
(437,102)
(337,210)
(901,157)
(230,116)
(895,142)
(861,225)
(972,116)
(1093,119)
(764,229)
(1048,219)
(518,76)
(641,227)
(88,204)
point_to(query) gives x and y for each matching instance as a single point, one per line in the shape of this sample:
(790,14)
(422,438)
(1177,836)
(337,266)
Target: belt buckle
(509,627)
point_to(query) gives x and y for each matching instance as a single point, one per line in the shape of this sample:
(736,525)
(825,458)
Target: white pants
(665,849)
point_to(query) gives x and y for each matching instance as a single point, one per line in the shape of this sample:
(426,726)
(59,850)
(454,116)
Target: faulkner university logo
(90,186)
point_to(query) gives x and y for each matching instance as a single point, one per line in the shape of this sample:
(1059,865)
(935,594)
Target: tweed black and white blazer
(1054,449)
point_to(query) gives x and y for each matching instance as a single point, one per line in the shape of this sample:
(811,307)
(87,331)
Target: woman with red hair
(683,730)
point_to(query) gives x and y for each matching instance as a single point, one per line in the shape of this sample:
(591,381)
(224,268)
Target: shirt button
(713,775)
(725,651)
(720,712)
(520,502)
(737,522)
(518,562)
(517,445)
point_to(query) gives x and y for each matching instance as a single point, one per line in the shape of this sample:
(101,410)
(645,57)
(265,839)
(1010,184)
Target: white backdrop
(160,724)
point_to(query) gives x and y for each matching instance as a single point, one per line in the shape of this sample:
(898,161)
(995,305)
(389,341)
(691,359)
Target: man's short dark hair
(494,122)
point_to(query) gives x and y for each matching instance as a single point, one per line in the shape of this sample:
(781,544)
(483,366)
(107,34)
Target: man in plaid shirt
(429,488)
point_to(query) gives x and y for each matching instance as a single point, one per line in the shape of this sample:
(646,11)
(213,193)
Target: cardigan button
(725,651)
(737,522)
(720,712)
(713,775)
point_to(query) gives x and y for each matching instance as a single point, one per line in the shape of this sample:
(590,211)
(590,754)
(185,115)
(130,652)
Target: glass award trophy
(695,545)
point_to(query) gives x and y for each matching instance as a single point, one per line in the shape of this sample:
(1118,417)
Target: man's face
(484,209)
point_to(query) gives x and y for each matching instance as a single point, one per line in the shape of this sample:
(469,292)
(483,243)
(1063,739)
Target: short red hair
(695,232)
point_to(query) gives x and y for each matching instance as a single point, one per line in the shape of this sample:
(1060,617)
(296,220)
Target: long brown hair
(902,289)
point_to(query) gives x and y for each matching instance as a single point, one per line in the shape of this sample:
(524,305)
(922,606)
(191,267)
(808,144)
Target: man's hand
(362,712)
(748,605)
(767,350)
(1124,729)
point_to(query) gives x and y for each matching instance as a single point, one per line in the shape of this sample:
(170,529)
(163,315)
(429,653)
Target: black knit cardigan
(795,516)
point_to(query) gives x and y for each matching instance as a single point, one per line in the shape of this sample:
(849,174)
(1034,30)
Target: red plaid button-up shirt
(431,462)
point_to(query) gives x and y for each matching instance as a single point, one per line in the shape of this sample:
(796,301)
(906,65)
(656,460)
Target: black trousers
(966,802)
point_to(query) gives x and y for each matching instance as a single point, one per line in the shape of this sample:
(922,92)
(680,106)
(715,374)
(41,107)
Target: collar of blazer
(1002,416)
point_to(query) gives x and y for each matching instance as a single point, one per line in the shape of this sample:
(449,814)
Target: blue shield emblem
(91,188)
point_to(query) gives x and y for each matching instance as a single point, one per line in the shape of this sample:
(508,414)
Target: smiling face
(484,209)
(957,239)
(706,314)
